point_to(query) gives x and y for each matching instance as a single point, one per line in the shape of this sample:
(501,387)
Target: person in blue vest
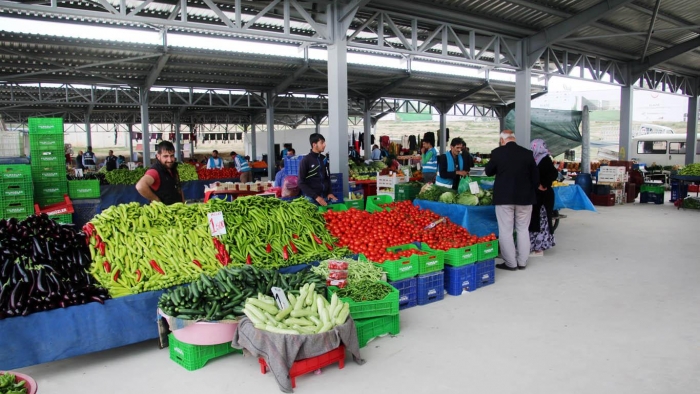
(242,167)
(215,162)
(451,165)
(429,162)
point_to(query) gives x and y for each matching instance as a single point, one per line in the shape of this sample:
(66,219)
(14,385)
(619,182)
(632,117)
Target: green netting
(559,129)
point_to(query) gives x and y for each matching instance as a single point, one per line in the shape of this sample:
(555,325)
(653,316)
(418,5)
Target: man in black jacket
(162,181)
(517,179)
(314,174)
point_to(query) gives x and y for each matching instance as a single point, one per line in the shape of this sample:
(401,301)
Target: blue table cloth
(124,194)
(62,333)
(479,220)
(572,197)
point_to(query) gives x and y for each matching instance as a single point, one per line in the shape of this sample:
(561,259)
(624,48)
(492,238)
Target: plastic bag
(290,186)
(464,184)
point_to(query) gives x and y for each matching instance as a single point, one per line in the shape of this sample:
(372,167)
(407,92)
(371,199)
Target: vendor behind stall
(429,161)
(451,165)
(162,181)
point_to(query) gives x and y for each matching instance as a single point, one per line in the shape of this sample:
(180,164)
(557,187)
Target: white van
(662,149)
(652,129)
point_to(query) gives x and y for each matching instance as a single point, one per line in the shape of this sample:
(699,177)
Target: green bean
(357,270)
(364,290)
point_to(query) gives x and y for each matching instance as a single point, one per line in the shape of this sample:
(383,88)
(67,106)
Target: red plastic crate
(60,208)
(302,367)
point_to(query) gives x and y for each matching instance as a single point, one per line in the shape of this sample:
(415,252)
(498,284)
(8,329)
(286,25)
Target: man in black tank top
(162,181)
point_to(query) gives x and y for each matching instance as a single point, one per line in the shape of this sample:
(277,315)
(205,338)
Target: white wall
(299,139)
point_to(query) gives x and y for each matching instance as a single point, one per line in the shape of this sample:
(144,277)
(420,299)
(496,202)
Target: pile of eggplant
(43,266)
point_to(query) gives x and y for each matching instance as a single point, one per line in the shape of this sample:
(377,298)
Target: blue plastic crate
(485,273)
(337,186)
(431,287)
(458,279)
(408,292)
(85,210)
(291,165)
(678,190)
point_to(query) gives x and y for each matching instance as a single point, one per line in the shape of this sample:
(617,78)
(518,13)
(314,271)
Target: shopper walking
(162,181)
(451,165)
(541,237)
(429,162)
(314,173)
(513,195)
(79,160)
(215,162)
(243,167)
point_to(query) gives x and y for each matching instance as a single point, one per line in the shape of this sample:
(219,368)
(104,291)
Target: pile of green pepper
(9,385)
(365,290)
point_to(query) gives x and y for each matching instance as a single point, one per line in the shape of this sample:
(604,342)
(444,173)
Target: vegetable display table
(62,333)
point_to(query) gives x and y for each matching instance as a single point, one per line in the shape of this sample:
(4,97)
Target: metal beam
(651,29)
(381,92)
(538,42)
(463,96)
(155,71)
(282,86)
(662,56)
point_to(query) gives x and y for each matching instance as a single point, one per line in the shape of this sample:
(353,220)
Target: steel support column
(270,111)
(523,101)
(254,143)
(442,137)
(586,143)
(178,143)
(88,130)
(130,130)
(691,136)
(626,110)
(367,123)
(337,137)
(143,95)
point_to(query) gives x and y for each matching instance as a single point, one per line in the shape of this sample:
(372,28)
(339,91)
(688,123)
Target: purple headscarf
(539,149)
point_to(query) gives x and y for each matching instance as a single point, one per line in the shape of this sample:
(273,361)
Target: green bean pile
(365,290)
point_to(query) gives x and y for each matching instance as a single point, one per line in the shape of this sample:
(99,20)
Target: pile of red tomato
(371,233)
(224,173)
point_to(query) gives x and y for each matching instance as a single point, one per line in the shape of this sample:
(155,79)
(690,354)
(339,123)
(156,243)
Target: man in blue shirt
(376,153)
(215,162)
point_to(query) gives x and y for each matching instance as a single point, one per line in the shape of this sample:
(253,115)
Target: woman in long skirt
(541,237)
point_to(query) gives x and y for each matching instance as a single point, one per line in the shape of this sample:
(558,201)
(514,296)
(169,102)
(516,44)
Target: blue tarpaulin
(572,197)
(62,333)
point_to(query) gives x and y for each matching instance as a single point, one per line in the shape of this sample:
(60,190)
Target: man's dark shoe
(522,267)
(503,266)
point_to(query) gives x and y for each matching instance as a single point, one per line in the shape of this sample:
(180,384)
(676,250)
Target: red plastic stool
(301,367)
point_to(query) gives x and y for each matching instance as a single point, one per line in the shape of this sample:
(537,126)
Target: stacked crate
(423,283)
(47,152)
(16,191)
(615,177)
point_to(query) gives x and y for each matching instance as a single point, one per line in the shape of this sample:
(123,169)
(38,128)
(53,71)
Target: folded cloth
(281,350)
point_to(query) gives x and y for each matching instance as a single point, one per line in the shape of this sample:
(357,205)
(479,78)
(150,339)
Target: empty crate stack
(16,191)
(48,162)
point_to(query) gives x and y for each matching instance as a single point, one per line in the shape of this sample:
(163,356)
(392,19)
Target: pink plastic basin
(30,383)
(205,333)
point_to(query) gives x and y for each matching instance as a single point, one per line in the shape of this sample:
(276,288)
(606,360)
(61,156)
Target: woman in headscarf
(541,237)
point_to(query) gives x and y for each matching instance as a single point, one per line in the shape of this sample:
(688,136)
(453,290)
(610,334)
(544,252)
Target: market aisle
(612,309)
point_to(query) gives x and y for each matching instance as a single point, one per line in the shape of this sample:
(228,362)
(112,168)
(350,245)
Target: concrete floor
(613,308)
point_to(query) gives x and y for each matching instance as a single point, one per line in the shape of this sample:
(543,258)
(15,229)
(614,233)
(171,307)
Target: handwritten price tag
(474,187)
(216,223)
(280,298)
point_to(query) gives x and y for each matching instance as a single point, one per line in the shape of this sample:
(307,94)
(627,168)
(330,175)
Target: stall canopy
(558,128)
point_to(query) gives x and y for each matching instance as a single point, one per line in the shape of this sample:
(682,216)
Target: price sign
(474,187)
(280,298)
(216,223)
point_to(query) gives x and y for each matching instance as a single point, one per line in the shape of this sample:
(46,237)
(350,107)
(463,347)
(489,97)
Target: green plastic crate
(652,189)
(19,187)
(15,172)
(17,207)
(406,191)
(457,257)
(47,193)
(389,305)
(64,219)
(193,357)
(333,207)
(431,261)
(357,204)
(372,328)
(48,174)
(397,269)
(487,250)
(48,159)
(45,126)
(84,189)
(46,143)
(374,202)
